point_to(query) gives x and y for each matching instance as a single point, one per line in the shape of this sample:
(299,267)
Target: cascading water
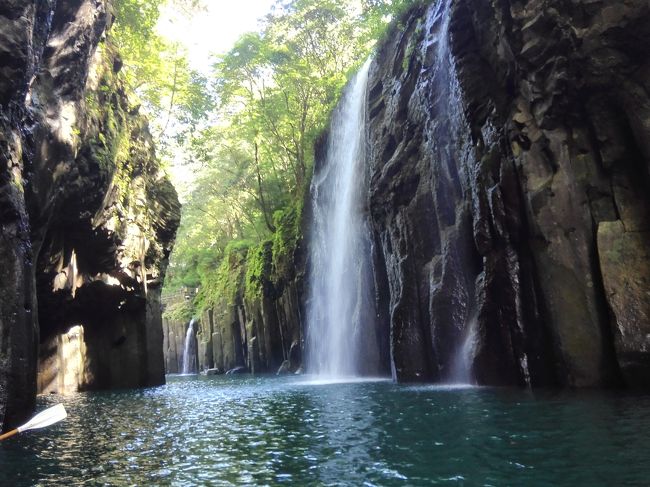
(189,349)
(445,109)
(461,366)
(340,245)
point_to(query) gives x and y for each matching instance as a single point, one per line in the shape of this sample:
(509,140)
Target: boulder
(284,369)
(212,372)
(240,369)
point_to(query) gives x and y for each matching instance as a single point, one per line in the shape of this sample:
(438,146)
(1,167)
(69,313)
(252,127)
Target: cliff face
(88,218)
(509,191)
(256,321)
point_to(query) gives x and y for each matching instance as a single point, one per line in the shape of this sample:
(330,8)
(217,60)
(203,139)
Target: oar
(41,420)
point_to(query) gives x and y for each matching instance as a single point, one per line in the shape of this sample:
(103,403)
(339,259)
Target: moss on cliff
(254,270)
(180,311)
(287,237)
(225,281)
(259,269)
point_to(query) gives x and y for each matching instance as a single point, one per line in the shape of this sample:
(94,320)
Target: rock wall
(173,338)
(509,174)
(88,217)
(255,320)
(258,335)
(272,302)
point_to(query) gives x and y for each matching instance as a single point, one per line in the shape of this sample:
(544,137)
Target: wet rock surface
(509,191)
(625,265)
(88,217)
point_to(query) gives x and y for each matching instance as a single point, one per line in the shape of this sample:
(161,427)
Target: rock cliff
(254,319)
(88,217)
(509,191)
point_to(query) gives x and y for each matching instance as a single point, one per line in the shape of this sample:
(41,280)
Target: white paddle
(41,420)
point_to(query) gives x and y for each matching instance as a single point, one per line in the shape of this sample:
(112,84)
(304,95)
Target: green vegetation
(414,40)
(182,311)
(249,129)
(259,267)
(224,281)
(111,135)
(175,96)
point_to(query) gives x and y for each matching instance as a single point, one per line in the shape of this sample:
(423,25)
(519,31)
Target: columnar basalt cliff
(88,217)
(255,321)
(509,191)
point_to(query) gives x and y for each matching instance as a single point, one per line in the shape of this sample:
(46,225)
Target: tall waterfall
(340,244)
(189,349)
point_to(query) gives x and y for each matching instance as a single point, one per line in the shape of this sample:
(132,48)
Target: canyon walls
(508,167)
(509,191)
(88,216)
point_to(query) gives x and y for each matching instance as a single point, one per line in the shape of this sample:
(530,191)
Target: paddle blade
(45,418)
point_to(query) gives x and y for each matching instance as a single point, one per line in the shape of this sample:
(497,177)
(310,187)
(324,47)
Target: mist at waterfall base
(235,430)
(190,349)
(339,311)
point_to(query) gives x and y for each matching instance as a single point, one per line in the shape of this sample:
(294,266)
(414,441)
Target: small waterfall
(340,244)
(461,366)
(460,328)
(189,349)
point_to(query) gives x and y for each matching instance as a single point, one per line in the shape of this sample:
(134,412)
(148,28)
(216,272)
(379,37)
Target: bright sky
(214,31)
(211,32)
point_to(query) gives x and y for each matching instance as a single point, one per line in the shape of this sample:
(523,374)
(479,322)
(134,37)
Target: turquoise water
(271,431)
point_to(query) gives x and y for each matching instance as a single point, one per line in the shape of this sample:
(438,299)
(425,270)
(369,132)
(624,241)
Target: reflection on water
(254,431)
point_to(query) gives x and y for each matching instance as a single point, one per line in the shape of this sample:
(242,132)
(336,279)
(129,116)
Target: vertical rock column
(88,217)
(24,26)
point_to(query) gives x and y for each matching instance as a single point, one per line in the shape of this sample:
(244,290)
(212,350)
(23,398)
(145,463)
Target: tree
(273,93)
(175,96)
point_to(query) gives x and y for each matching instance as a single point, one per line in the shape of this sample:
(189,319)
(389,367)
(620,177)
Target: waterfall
(461,365)
(339,283)
(189,349)
(460,327)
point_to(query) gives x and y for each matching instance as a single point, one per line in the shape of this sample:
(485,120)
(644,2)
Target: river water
(270,431)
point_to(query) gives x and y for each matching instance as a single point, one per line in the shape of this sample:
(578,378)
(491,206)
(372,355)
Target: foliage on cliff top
(180,311)
(158,71)
(225,281)
(273,93)
(382,15)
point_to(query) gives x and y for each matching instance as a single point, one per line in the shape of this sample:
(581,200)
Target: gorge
(464,256)
(88,216)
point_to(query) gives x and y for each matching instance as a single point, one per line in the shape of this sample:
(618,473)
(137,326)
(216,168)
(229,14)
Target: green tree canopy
(175,95)
(272,95)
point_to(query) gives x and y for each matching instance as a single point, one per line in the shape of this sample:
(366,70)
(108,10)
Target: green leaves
(271,96)
(176,97)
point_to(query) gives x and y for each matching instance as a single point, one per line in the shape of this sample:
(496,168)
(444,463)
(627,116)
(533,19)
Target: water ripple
(269,431)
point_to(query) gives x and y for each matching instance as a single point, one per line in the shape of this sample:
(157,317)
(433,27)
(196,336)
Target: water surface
(272,431)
